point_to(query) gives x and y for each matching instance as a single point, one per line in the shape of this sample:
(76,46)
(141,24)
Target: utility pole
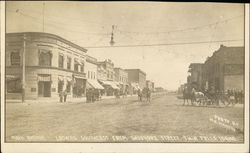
(23,68)
(43,15)
(112,42)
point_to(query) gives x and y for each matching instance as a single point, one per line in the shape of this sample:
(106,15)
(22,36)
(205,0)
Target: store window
(60,61)
(14,86)
(45,58)
(15,58)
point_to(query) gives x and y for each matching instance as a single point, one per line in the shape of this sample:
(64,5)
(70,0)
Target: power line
(167,44)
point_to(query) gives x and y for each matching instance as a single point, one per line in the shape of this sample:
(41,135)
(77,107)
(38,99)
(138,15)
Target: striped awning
(95,84)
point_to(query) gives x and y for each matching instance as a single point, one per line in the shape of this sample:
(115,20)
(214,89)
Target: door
(47,89)
(44,89)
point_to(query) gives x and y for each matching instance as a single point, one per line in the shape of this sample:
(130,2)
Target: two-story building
(137,79)
(92,73)
(106,77)
(196,70)
(224,70)
(52,64)
(121,76)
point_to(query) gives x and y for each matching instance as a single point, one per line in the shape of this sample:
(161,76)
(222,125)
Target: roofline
(48,35)
(136,69)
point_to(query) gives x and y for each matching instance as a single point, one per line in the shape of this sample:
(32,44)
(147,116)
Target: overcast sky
(89,24)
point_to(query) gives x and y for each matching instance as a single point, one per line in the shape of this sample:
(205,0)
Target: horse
(147,94)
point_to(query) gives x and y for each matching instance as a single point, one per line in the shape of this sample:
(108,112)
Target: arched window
(45,57)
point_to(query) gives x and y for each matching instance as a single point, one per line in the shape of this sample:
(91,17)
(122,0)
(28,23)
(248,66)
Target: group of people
(214,97)
(92,95)
(144,93)
(63,95)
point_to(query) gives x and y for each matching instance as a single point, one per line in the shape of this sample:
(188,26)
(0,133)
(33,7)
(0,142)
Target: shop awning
(69,79)
(44,78)
(136,86)
(79,77)
(60,78)
(95,84)
(110,83)
(12,77)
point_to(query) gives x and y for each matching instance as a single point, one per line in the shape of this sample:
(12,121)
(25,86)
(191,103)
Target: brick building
(52,64)
(121,76)
(224,69)
(195,70)
(106,76)
(137,76)
(91,73)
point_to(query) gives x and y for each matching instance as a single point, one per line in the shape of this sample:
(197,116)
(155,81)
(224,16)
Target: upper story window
(45,57)
(60,61)
(68,63)
(76,65)
(15,58)
(82,66)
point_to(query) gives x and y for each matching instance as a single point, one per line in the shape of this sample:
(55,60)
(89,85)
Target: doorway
(44,88)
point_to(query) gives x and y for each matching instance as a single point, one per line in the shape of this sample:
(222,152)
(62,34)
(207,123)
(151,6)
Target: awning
(95,84)
(12,77)
(79,77)
(44,78)
(60,78)
(110,83)
(69,79)
(136,86)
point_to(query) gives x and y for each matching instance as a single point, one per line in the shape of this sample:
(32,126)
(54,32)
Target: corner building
(52,64)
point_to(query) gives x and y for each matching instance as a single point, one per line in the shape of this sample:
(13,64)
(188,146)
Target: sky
(89,24)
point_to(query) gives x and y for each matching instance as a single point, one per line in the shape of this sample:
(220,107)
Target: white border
(129,147)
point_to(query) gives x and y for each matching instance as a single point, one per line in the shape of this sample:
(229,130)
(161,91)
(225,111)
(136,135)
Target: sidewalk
(50,100)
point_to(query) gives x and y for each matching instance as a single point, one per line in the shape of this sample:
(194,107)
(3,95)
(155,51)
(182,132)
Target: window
(68,63)
(82,68)
(76,64)
(91,74)
(15,58)
(60,61)
(68,87)
(88,74)
(45,58)
(14,86)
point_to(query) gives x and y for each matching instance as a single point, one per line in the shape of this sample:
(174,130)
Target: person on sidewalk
(61,96)
(65,95)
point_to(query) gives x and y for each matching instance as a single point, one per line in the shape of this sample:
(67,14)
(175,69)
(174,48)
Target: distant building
(137,76)
(121,76)
(52,64)
(225,69)
(91,72)
(106,76)
(195,70)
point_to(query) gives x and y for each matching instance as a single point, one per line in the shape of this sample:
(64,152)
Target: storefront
(79,86)
(110,87)
(44,85)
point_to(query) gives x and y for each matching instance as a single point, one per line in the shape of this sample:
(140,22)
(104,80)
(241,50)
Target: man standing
(65,95)
(61,96)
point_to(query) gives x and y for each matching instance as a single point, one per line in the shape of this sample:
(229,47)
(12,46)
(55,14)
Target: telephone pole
(23,68)
(43,15)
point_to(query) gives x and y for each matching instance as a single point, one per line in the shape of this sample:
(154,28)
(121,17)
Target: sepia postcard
(124,77)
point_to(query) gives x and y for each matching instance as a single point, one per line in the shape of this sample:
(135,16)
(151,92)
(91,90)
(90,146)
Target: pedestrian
(139,95)
(61,96)
(65,93)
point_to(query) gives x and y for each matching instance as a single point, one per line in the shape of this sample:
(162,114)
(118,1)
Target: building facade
(224,70)
(106,77)
(52,64)
(91,71)
(137,76)
(195,70)
(121,76)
